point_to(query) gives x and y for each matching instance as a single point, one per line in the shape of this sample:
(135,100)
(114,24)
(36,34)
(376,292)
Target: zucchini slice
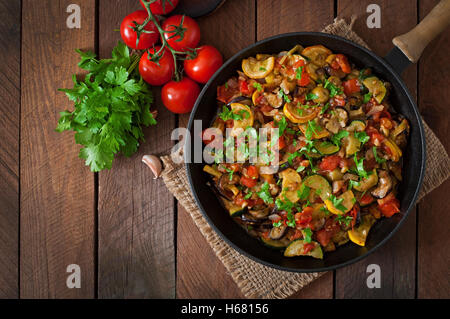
(348,202)
(359,234)
(326,148)
(297,248)
(290,185)
(368,182)
(279,244)
(351,144)
(233,209)
(356,126)
(320,185)
(376,87)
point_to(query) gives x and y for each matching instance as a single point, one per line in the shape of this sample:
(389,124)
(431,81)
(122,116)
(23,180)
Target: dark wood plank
(397,257)
(135,213)
(57,190)
(10,19)
(195,279)
(433,217)
(275,17)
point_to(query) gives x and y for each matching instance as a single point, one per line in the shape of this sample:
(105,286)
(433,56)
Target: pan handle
(414,42)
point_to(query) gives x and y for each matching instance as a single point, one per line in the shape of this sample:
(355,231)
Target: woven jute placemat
(254,279)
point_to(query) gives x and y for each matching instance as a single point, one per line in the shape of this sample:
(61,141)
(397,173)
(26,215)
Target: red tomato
(305,217)
(179,97)
(281,143)
(351,86)
(153,73)
(366,199)
(330,163)
(390,208)
(252,172)
(239,200)
(343,63)
(246,89)
(191,36)
(324,235)
(308,247)
(162,7)
(304,80)
(129,36)
(248,182)
(204,65)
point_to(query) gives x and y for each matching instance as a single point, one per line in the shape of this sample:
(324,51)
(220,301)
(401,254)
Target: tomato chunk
(351,86)
(343,63)
(248,182)
(330,163)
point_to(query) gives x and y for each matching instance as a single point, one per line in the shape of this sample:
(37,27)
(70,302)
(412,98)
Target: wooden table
(126,232)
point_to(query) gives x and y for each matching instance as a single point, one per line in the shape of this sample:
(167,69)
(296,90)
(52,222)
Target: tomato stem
(164,42)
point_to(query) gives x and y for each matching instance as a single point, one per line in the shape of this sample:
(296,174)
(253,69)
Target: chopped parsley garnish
(285,205)
(248,195)
(257,86)
(337,202)
(379,160)
(367,97)
(352,183)
(332,88)
(301,169)
(325,108)
(230,173)
(311,96)
(303,192)
(263,69)
(291,220)
(278,223)
(282,125)
(284,96)
(360,167)
(264,194)
(362,137)
(307,234)
(227,114)
(336,138)
(298,73)
(312,128)
(342,219)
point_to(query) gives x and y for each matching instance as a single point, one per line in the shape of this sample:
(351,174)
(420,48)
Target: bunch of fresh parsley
(111,106)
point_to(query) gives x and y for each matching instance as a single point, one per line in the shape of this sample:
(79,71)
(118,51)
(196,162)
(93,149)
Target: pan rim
(411,104)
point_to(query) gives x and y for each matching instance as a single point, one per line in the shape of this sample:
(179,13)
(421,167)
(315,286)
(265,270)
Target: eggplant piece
(384,184)
(240,99)
(259,214)
(277,232)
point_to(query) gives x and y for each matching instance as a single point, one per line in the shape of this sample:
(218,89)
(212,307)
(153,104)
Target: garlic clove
(154,163)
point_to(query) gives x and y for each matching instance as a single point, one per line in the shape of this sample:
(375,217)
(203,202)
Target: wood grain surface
(135,213)
(433,273)
(397,258)
(126,231)
(10,25)
(56,189)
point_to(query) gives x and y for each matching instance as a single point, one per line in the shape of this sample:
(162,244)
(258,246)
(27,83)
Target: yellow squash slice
(258,69)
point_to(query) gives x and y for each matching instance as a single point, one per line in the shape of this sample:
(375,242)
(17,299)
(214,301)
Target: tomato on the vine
(191,36)
(162,7)
(155,74)
(204,65)
(129,36)
(179,97)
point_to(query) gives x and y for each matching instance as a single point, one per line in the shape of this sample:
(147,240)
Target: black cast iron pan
(388,69)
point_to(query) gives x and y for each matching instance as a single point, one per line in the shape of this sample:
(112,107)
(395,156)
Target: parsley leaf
(303,192)
(334,90)
(264,194)
(307,234)
(336,139)
(337,202)
(342,219)
(311,96)
(257,86)
(248,195)
(367,97)
(298,73)
(284,96)
(112,105)
(360,167)
(379,160)
(282,125)
(362,137)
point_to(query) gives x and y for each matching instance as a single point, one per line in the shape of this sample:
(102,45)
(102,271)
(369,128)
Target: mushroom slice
(277,232)
(274,100)
(384,184)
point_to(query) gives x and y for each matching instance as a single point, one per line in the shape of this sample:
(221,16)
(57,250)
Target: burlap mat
(254,279)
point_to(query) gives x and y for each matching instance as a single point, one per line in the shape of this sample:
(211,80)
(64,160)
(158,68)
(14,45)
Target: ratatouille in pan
(340,148)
